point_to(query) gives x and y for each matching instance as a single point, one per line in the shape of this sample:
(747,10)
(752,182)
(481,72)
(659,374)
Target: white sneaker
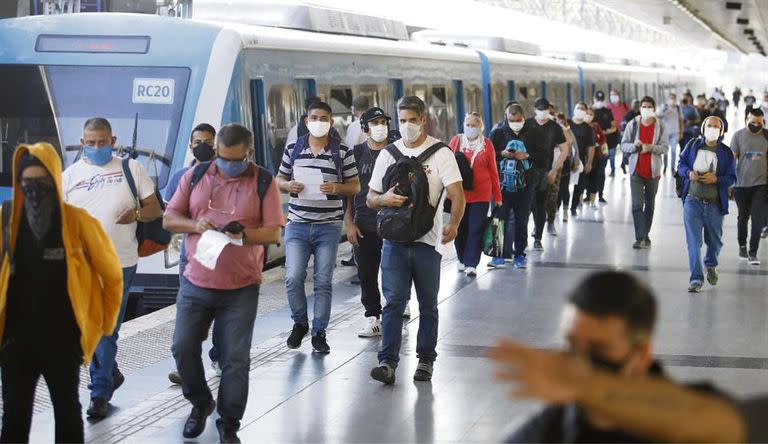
(371,330)
(593,206)
(407,312)
(460,267)
(471,272)
(216,367)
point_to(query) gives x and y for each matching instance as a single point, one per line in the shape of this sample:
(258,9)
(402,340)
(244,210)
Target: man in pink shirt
(619,110)
(221,195)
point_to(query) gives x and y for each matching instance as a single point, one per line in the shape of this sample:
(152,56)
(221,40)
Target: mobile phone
(233,227)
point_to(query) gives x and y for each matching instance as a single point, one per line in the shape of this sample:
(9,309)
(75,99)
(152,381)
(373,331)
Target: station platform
(719,335)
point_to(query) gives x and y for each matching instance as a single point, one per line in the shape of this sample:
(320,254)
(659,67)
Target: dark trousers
(469,239)
(516,211)
(212,353)
(602,163)
(234,312)
(20,373)
(643,204)
(565,185)
(539,207)
(578,190)
(368,259)
(751,202)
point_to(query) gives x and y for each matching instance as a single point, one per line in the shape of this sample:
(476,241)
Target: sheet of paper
(312,178)
(211,245)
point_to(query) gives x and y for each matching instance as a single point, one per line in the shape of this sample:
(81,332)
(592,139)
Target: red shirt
(485,174)
(644,169)
(237,267)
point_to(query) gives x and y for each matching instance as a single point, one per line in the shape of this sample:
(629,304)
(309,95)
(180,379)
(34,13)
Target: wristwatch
(137,213)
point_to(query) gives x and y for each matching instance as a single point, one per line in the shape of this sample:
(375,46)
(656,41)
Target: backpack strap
(129,179)
(430,151)
(298,147)
(394,152)
(198,173)
(263,182)
(334,143)
(6,217)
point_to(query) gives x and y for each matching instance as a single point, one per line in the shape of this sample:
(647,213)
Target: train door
(259,113)
(396,86)
(458,90)
(305,88)
(569,100)
(512,90)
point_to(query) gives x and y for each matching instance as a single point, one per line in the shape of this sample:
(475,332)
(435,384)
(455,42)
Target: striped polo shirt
(326,210)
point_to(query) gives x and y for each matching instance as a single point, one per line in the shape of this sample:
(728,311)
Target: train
(155,78)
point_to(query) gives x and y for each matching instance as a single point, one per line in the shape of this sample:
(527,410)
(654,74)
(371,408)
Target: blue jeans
(701,217)
(401,266)
(469,239)
(612,159)
(103,366)
(674,139)
(301,241)
(516,211)
(213,353)
(234,312)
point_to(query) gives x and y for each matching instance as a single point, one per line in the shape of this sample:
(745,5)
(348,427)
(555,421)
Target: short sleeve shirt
(752,163)
(585,138)
(541,140)
(441,169)
(104,193)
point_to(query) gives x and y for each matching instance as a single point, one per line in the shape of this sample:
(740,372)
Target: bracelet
(137,214)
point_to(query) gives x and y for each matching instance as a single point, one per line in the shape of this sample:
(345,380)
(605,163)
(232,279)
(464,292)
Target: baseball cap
(373,114)
(599,95)
(541,103)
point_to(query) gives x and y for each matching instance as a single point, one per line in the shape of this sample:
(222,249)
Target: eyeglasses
(225,210)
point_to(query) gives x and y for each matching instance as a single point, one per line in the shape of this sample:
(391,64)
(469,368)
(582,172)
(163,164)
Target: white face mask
(646,113)
(614,98)
(598,104)
(379,132)
(671,102)
(318,128)
(516,126)
(410,131)
(588,118)
(471,132)
(542,114)
(579,114)
(711,134)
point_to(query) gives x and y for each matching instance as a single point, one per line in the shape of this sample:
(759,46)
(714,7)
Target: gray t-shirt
(752,164)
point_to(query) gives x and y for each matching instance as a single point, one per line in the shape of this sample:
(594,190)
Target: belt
(702,201)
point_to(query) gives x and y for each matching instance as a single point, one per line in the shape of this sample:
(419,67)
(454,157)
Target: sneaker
(297,335)
(521,262)
(349,262)
(319,343)
(537,245)
(98,408)
(174,377)
(407,311)
(753,260)
(384,373)
(117,379)
(593,206)
(460,267)
(372,329)
(471,272)
(694,287)
(573,213)
(646,243)
(743,252)
(712,275)
(496,262)
(638,244)
(424,371)
(603,201)
(216,368)
(551,229)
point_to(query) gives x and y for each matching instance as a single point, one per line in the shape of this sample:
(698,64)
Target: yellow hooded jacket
(94,274)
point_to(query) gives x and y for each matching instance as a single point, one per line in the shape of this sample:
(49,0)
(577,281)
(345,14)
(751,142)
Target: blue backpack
(512,171)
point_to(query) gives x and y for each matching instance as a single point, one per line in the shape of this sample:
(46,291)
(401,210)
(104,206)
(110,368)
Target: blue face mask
(232,168)
(98,156)
(471,132)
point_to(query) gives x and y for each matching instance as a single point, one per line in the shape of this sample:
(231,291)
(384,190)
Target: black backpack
(264,180)
(467,175)
(152,237)
(415,218)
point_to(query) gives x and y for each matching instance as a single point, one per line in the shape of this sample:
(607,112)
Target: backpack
(334,143)
(152,237)
(263,181)
(512,171)
(416,217)
(467,175)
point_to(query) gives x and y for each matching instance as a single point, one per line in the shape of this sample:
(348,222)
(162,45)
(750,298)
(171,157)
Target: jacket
(485,173)
(94,274)
(659,146)
(726,168)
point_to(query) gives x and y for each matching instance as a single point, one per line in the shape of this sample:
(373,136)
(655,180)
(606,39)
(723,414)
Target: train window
(282,109)
(440,117)
(473,99)
(523,92)
(420,91)
(143,101)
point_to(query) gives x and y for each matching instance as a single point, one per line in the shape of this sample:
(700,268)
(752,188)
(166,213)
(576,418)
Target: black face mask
(203,152)
(755,128)
(39,204)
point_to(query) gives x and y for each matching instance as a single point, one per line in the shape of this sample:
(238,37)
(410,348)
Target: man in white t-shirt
(418,263)
(96,183)
(355,134)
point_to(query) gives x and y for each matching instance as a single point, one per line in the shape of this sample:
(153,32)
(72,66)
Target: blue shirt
(170,190)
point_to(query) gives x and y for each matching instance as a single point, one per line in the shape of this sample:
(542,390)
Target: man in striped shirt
(319,172)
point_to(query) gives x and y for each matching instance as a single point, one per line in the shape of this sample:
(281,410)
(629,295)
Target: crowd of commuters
(390,189)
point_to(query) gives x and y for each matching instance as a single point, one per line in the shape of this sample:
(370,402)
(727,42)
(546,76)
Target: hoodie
(94,274)
(659,147)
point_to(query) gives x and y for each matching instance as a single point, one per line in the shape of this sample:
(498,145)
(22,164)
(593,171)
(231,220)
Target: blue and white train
(158,77)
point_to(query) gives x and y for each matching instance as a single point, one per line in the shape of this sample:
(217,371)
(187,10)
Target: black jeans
(515,211)
(751,202)
(368,259)
(565,185)
(579,188)
(602,163)
(20,373)
(539,209)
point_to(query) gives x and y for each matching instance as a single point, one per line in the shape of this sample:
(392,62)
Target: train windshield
(51,103)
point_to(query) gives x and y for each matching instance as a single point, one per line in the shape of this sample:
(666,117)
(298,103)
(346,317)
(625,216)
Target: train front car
(148,75)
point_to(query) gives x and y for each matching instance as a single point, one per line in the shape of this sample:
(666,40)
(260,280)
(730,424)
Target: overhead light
(742,21)
(733,5)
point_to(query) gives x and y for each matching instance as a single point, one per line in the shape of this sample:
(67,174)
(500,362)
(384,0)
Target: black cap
(599,95)
(541,103)
(373,114)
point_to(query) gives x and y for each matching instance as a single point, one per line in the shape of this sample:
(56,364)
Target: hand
(498,204)
(127,217)
(647,148)
(587,168)
(508,154)
(328,188)
(694,176)
(204,224)
(521,156)
(709,178)
(551,176)
(354,234)
(556,378)
(295,187)
(449,232)
(392,199)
